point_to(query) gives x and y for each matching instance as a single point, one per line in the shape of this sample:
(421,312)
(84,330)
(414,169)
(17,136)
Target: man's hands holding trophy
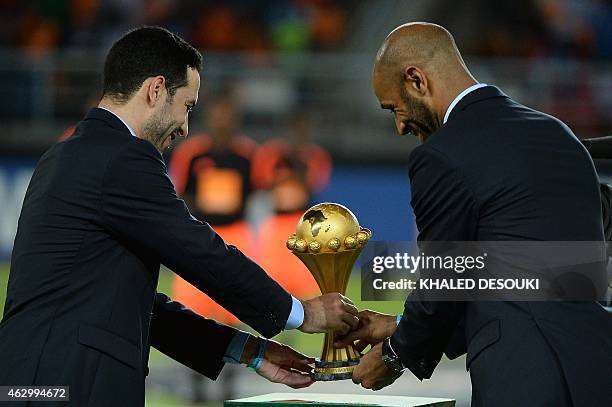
(333,312)
(328,240)
(329,312)
(374,328)
(280,363)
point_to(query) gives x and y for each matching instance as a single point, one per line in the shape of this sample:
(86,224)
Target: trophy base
(329,371)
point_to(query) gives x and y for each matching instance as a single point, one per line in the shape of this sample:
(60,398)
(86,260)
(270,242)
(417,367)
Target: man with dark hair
(487,169)
(145,53)
(99,217)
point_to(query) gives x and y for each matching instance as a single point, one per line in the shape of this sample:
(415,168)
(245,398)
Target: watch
(392,361)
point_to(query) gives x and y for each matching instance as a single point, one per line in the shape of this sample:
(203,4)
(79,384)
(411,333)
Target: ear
(156,89)
(415,80)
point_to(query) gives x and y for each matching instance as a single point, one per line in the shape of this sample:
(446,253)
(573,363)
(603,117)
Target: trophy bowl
(328,240)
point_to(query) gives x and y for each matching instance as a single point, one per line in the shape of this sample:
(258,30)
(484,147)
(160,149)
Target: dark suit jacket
(499,171)
(99,217)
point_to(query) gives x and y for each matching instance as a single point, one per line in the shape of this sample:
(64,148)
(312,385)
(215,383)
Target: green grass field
(308,344)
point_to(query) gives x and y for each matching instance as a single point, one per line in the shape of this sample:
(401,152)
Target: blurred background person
(291,169)
(211,172)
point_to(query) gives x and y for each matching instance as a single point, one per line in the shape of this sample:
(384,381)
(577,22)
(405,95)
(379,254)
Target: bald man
(487,169)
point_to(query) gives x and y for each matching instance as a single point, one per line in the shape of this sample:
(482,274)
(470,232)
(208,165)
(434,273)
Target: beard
(423,118)
(159,127)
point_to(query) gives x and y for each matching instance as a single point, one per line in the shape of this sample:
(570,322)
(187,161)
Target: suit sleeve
(189,338)
(445,210)
(140,208)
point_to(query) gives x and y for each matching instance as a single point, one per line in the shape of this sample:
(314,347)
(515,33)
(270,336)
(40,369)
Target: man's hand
(281,364)
(372,373)
(329,312)
(372,329)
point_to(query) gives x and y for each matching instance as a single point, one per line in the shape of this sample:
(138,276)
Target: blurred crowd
(572,28)
(529,28)
(553,55)
(230,25)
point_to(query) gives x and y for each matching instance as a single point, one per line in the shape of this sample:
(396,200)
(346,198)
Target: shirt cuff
(234,350)
(296,316)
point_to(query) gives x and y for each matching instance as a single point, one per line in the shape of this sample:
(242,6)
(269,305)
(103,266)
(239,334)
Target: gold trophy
(328,240)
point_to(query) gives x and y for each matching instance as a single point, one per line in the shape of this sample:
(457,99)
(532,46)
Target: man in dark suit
(99,217)
(488,169)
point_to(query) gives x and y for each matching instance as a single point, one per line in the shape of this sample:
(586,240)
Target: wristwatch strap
(392,361)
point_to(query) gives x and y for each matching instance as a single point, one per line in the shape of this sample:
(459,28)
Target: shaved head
(417,73)
(426,45)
